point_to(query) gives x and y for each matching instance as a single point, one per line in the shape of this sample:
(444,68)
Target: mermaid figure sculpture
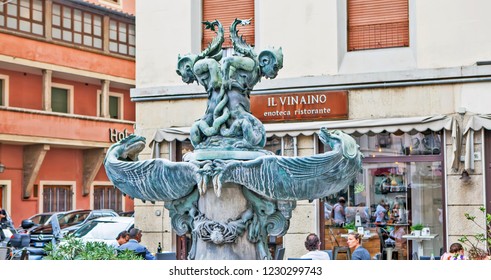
(253,191)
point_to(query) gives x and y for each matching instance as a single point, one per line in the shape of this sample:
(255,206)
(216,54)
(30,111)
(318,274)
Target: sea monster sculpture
(229,155)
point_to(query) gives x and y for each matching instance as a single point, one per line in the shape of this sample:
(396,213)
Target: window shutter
(1,93)
(59,100)
(114,107)
(226,11)
(374,24)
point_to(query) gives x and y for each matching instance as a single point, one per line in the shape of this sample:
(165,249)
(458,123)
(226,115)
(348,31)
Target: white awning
(474,123)
(477,122)
(356,127)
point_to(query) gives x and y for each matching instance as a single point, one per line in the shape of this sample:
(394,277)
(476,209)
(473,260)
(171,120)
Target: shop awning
(356,127)
(477,122)
(474,123)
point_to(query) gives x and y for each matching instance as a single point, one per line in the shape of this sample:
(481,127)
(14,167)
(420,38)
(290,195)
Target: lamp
(465,176)
(2,168)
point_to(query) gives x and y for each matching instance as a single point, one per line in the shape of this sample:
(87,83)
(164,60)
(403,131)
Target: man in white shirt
(313,244)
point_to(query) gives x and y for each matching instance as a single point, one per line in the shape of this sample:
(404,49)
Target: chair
(427,258)
(336,248)
(279,254)
(166,256)
(384,235)
(329,252)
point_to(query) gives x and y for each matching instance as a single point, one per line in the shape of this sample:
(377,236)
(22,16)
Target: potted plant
(416,229)
(350,227)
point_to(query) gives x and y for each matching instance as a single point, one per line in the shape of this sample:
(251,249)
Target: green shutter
(114,107)
(59,100)
(2,103)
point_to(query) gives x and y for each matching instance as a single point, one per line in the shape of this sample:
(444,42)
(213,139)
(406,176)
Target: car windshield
(100,230)
(41,219)
(73,218)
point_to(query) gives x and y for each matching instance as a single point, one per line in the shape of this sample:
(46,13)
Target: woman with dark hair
(123,237)
(357,251)
(456,253)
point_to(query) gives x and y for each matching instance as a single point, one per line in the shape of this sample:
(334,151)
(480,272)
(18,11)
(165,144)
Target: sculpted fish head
(128,148)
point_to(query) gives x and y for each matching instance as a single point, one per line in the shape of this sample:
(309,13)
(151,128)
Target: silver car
(104,229)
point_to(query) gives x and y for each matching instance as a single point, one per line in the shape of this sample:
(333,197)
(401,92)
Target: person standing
(133,244)
(338,214)
(357,251)
(3,216)
(313,244)
(380,213)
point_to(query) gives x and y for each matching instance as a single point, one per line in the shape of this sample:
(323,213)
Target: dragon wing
(297,178)
(153,180)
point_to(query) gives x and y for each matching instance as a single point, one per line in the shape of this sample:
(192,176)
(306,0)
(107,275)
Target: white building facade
(417,102)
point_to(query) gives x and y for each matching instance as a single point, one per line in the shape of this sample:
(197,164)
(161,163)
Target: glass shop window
(400,144)
(401,184)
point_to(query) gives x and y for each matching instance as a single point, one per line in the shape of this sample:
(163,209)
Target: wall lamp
(2,167)
(465,176)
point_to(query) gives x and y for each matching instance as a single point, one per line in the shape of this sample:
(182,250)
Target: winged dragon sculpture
(270,184)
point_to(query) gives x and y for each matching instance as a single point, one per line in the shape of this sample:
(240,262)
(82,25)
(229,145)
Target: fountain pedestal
(228,207)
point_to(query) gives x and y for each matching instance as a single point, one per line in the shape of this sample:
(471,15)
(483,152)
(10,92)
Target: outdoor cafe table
(419,240)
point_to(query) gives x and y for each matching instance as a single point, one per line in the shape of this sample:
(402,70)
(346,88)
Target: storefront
(403,170)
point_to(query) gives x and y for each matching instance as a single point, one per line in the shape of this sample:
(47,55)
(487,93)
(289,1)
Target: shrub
(72,248)
(477,241)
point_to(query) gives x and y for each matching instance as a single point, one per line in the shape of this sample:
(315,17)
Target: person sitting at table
(396,234)
(456,253)
(313,245)
(357,251)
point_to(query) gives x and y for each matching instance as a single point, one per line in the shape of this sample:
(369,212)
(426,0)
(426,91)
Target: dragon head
(185,66)
(335,137)
(128,148)
(270,62)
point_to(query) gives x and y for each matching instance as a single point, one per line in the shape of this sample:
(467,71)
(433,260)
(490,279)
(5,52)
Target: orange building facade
(66,69)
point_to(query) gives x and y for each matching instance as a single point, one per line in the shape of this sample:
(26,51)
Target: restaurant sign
(319,105)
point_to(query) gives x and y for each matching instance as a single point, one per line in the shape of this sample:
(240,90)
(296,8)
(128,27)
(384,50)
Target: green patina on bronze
(229,142)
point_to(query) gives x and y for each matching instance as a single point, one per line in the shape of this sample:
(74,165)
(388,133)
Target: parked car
(29,224)
(69,222)
(104,229)
(127,214)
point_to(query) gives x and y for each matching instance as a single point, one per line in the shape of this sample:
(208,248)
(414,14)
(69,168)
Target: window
(4,90)
(374,24)
(401,185)
(107,197)
(226,12)
(1,93)
(61,98)
(77,26)
(57,198)
(115,105)
(121,37)
(23,15)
